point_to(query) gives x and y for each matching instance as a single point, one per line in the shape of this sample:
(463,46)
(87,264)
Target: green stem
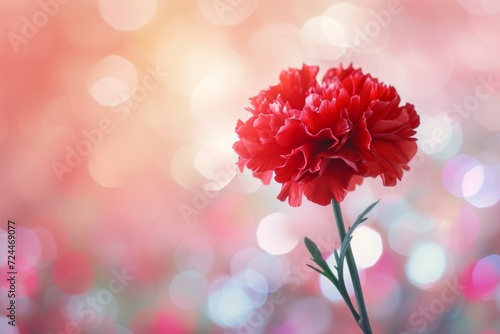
(363,322)
(347,300)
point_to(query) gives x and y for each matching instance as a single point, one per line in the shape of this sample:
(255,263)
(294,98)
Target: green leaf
(334,280)
(313,249)
(361,218)
(316,269)
(340,258)
(317,258)
(367,210)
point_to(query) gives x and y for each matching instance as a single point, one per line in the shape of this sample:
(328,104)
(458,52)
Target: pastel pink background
(116,125)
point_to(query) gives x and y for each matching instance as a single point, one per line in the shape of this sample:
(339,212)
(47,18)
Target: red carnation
(318,139)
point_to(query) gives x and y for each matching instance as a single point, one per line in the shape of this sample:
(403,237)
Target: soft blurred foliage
(116,124)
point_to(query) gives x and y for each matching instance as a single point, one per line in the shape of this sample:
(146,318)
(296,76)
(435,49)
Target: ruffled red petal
(320,140)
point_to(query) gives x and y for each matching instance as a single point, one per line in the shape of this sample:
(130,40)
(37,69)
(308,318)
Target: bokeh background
(116,124)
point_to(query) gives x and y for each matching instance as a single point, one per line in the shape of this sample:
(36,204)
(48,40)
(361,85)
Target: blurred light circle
(255,281)
(228,306)
(366,246)
(112,80)
(366,196)
(392,207)
(223,162)
(254,284)
(127,15)
(333,31)
(254,260)
(73,273)
(241,259)
(486,277)
(219,282)
(275,235)
(321,36)
(454,172)
(213,94)
(405,230)
(361,29)
(269,266)
(472,181)
(219,177)
(227,12)
(426,264)
(481,186)
(452,147)
(110,91)
(188,290)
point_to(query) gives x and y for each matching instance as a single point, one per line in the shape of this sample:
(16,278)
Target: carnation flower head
(319,139)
